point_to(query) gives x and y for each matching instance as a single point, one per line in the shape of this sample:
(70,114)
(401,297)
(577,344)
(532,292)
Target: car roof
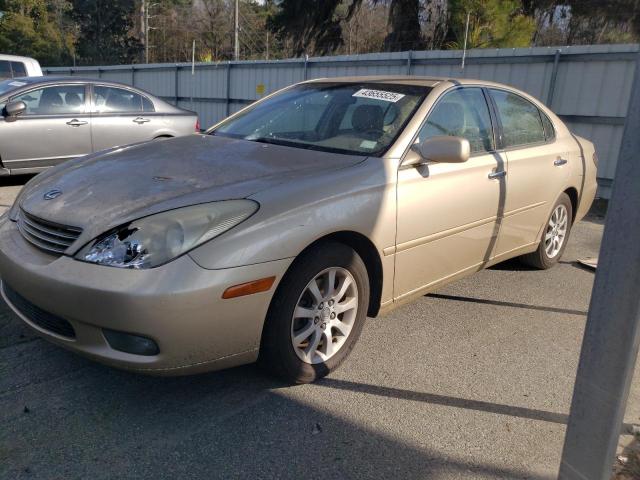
(68,79)
(27,82)
(409,80)
(16,58)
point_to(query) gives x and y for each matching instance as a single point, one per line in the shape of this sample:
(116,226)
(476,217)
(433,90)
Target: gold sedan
(275,234)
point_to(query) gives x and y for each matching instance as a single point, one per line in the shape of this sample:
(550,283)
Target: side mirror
(443,149)
(13,109)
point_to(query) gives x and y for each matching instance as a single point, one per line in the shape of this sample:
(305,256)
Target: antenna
(236,46)
(466,36)
(193,57)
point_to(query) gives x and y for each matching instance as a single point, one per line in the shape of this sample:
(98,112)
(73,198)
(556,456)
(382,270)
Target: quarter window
(58,100)
(18,69)
(549,131)
(119,100)
(147,106)
(521,122)
(461,113)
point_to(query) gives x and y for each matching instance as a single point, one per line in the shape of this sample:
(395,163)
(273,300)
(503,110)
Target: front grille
(45,235)
(43,319)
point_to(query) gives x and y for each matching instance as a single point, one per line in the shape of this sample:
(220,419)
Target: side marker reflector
(249,288)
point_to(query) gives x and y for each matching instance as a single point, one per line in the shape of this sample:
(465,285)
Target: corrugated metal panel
(592,86)
(115,76)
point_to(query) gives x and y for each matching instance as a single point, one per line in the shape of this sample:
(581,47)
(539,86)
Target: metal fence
(588,86)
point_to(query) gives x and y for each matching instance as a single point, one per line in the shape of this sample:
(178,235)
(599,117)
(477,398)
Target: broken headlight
(157,239)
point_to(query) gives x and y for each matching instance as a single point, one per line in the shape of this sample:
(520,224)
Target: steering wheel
(373,132)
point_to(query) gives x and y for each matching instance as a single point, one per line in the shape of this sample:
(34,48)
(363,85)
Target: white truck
(12,66)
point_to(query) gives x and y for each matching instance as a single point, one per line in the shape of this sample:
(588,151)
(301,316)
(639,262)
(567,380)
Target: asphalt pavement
(473,381)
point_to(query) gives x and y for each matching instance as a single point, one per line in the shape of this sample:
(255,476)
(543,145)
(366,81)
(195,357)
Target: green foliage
(37,28)
(106,35)
(492,24)
(311,25)
(90,32)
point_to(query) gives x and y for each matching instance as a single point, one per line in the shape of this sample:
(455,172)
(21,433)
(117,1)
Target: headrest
(368,118)
(73,99)
(50,98)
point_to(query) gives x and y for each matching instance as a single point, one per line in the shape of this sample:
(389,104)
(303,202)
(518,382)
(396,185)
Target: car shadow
(62,416)
(15,180)
(499,303)
(93,421)
(512,265)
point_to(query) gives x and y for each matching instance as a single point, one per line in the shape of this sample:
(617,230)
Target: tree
(492,24)
(311,25)
(615,21)
(365,30)
(38,29)
(315,26)
(404,22)
(573,22)
(106,31)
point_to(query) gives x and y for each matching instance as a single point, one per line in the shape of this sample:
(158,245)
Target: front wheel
(554,236)
(316,315)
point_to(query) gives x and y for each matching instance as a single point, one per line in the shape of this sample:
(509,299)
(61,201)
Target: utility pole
(144,19)
(143,23)
(612,334)
(146,31)
(236,52)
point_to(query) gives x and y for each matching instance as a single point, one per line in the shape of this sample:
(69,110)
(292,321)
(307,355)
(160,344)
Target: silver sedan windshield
(353,118)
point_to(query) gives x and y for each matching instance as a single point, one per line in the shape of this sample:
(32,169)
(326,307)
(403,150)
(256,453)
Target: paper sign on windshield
(379,95)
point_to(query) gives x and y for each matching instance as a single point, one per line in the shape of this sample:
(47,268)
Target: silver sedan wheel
(556,232)
(324,315)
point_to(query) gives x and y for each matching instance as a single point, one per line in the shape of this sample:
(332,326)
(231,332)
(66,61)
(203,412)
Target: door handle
(558,162)
(76,123)
(141,120)
(495,175)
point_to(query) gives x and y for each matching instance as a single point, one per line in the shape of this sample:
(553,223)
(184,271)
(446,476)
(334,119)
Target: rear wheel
(316,315)
(554,236)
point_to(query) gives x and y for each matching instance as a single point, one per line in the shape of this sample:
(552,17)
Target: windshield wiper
(274,141)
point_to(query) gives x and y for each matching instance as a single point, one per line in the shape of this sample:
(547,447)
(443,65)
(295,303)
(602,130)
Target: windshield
(352,118)
(10,84)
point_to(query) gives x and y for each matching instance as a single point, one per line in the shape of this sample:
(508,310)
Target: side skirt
(410,296)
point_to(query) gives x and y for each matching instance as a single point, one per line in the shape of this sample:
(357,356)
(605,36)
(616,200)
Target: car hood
(105,190)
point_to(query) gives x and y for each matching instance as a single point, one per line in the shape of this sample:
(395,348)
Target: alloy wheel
(556,232)
(324,315)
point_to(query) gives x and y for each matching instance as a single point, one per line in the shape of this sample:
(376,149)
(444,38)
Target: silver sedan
(47,120)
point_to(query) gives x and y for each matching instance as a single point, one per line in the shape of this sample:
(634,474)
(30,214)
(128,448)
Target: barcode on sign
(379,95)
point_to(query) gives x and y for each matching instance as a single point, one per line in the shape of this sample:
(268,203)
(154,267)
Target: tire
(545,256)
(300,364)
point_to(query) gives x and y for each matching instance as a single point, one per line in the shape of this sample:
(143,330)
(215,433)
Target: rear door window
(117,100)
(521,121)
